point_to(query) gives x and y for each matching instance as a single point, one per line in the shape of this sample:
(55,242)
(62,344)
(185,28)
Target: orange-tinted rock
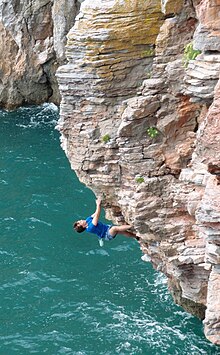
(32,39)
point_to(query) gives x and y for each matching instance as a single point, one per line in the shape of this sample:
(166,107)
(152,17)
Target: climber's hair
(77,228)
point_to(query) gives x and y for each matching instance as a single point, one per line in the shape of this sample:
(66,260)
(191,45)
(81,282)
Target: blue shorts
(107,235)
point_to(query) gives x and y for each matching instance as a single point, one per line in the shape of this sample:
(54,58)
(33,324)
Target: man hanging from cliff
(103,231)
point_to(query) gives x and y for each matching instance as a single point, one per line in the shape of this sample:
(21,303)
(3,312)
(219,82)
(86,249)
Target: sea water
(60,292)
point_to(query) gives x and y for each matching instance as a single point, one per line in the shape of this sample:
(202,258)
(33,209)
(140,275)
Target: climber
(103,231)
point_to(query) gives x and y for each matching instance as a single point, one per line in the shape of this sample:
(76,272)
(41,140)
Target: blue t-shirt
(100,230)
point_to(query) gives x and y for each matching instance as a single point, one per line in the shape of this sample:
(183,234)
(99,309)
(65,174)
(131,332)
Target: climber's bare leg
(122,230)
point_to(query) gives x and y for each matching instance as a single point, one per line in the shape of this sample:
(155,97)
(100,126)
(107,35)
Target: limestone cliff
(142,129)
(139,120)
(32,40)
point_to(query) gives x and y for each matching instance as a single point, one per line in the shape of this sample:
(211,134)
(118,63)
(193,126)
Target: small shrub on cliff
(152,132)
(148,75)
(139,179)
(189,54)
(106,138)
(149,52)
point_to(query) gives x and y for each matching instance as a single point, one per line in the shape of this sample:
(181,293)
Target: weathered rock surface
(32,40)
(124,76)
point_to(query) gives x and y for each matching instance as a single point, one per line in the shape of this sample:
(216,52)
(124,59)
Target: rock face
(32,39)
(143,130)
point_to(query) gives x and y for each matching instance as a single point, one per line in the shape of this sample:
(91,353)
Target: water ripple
(36,220)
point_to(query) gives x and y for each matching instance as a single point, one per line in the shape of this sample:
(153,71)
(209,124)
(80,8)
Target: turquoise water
(60,292)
